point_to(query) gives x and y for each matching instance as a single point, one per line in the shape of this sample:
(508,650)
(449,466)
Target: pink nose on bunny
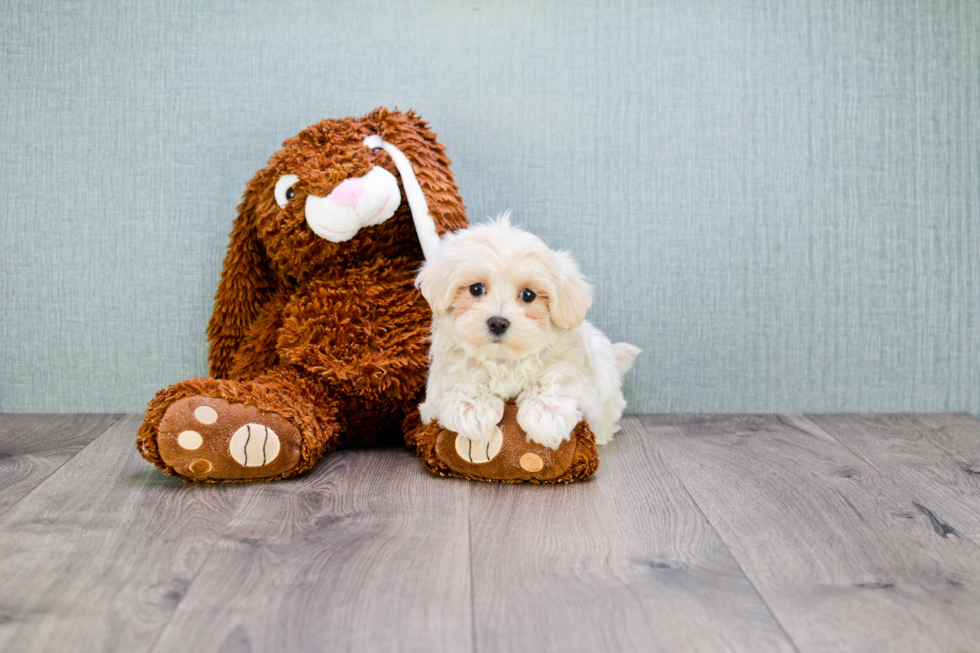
(348,193)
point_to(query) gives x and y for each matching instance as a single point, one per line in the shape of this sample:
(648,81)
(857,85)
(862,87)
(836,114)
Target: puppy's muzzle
(497,325)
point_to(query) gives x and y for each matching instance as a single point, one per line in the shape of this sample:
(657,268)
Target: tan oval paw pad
(190,440)
(200,466)
(531,462)
(206,415)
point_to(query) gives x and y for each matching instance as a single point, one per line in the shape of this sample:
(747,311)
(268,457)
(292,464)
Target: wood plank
(959,436)
(840,553)
(622,562)
(368,552)
(939,466)
(100,554)
(32,447)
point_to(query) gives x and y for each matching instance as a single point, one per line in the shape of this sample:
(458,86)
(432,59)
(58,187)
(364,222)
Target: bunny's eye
(477,289)
(284,189)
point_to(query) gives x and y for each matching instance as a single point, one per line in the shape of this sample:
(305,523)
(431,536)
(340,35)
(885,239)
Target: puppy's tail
(625,355)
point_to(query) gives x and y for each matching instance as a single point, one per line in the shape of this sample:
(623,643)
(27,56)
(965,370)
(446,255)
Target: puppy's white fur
(558,367)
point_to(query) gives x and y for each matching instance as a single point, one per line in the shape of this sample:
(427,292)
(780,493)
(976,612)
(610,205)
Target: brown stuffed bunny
(318,337)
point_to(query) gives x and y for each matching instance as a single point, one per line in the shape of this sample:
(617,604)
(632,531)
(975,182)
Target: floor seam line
(469,537)
(898,486)
(197,573)
(731,554)
(120,417)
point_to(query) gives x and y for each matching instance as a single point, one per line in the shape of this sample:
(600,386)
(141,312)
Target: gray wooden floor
(698,533)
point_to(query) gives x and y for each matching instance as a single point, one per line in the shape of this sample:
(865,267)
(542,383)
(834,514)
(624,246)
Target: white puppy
(508,323)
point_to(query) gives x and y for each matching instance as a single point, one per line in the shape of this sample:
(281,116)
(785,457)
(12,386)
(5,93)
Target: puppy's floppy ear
(247,279)
(572,296)
(437,282)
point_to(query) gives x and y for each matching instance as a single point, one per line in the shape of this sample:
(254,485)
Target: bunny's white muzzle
(358,202)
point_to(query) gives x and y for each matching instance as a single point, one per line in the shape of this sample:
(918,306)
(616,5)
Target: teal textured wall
(778,200)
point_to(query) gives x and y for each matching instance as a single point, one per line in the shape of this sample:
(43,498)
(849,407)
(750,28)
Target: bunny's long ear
(247,281)
(423,166)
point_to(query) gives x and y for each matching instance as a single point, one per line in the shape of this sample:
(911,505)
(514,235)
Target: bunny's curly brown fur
(331,337)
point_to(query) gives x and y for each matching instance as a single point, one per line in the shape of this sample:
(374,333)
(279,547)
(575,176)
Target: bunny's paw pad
(209,439)
(508,456)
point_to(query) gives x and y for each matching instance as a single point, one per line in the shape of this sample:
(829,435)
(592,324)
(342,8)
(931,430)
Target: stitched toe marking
(254,445)
(480,452)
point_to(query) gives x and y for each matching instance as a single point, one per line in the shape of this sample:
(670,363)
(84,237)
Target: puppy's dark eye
(290,193)
(528,295)
(477,289)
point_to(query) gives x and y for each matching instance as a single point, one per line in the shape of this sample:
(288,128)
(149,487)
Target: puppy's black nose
(497,325)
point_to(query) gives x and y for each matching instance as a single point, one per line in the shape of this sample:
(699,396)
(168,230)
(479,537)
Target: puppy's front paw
(549,423)
(473,418)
